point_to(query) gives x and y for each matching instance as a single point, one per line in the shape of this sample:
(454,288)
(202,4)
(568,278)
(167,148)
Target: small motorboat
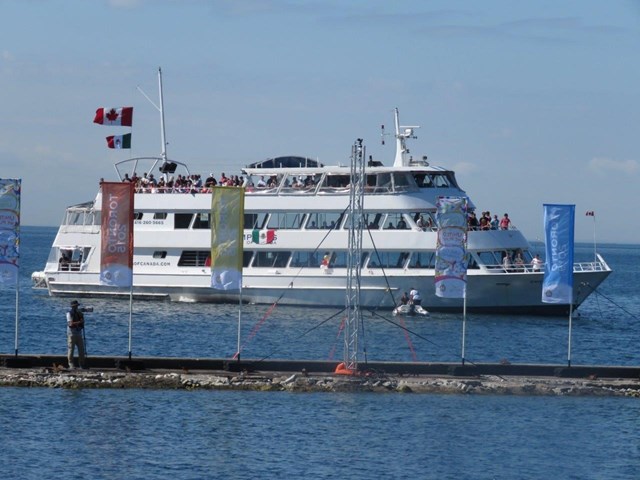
(410,310)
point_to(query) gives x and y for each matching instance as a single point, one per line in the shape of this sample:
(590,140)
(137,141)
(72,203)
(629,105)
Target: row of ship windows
(336,259)
(296,221)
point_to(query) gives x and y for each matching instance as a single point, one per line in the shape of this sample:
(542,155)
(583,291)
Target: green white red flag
(114,116)
(119,141)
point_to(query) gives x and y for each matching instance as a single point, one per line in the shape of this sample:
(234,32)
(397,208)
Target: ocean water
(51,433)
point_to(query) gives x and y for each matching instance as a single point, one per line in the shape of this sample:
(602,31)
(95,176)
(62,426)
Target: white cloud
(603,165)
(465,167)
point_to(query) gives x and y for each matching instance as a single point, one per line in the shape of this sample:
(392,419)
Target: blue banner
(557,286)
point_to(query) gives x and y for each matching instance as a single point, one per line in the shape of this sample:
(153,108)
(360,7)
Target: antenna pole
(162,132)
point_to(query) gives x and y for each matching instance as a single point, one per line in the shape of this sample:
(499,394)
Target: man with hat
(75,338)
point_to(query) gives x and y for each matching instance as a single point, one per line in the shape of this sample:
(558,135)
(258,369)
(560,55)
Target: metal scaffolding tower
(354,257)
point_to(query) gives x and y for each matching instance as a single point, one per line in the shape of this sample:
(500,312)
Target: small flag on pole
(591,213)
(119,141)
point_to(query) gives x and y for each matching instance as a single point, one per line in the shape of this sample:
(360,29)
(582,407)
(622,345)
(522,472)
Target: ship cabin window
(340,259)
(263,183)
(422,260)
(388,259)
(325,220)
(287,221)
(427,222)
(247,255)
(490,259)
(160,216)
(395,221)
(402,182)
(160,254)
(71,258)
(202,221)
(137,215)
(335,183)
(97,218)
(271,259)
(383,184)
(300,183)
(305,259)
(378,183)
(182,220)
(194,258)
(255,221)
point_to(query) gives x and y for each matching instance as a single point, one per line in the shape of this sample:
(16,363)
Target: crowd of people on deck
(147,183)
(487,222)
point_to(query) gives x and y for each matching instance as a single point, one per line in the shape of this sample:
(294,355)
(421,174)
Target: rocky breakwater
(303,382)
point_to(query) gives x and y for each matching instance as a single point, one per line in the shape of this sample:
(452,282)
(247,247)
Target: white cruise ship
(296,237)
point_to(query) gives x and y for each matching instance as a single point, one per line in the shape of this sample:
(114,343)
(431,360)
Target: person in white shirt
(536,263)
(414,297)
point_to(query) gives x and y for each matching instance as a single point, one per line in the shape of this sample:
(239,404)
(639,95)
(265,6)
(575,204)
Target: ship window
(384,183)
(441,181)
(422,260)
(201,221)
(137,215)
(326,220)
(246,258)
(277,259)
(255,221)
(182,220)
(305,259)
(395,221)
(97,218)
(401,182)
(160,254)
(160,215)
(333,183)
(193,258)
(489,259)
(388,259)
(285,220)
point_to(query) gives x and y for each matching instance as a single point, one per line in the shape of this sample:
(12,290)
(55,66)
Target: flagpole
(163,134)
(595,251)
(239,321)
(130,321)
(17,315)
(569,347)
(464,323)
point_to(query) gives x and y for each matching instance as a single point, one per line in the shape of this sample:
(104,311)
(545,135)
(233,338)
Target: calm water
(175,434)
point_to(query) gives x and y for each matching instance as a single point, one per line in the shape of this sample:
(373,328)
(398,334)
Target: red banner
(116,259)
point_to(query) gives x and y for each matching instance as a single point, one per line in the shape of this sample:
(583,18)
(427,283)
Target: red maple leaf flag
(591,213)
(114,116)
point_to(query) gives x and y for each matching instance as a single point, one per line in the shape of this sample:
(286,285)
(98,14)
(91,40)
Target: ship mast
(160,109)
(402,160)
(162,133)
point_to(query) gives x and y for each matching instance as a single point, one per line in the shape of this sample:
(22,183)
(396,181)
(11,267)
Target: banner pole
(130,321)
(464,323)
(239,321)
(17,317)
(569,347)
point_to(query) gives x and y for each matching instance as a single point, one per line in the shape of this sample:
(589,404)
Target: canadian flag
(591,213)
(114,116)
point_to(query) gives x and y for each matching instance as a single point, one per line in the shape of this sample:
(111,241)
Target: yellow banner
(227,218)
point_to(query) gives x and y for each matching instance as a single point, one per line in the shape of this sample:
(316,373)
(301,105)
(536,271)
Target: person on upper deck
(505,223)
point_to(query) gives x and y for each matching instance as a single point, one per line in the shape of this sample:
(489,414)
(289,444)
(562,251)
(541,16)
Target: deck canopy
(287,162)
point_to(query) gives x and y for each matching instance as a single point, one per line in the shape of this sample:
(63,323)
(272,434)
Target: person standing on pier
(75,337)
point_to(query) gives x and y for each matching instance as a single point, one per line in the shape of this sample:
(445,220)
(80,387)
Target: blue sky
(529,102)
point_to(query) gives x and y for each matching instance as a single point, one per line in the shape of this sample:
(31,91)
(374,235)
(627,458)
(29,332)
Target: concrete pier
(308,375)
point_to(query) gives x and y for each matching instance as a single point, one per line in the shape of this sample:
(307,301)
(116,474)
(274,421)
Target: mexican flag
(114,116)
(119,141)
(263,237)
